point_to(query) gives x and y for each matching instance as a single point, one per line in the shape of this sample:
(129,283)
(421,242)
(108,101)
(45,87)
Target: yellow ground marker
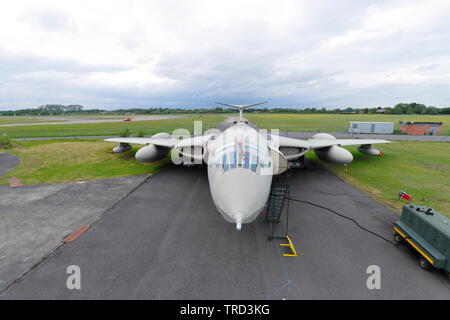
(291,246)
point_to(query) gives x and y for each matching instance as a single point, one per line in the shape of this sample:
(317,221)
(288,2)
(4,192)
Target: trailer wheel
(398,238)
(424,263)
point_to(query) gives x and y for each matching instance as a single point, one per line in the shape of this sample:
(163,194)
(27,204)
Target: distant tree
(349,110)
(432,110)
(410,110)
(397,109)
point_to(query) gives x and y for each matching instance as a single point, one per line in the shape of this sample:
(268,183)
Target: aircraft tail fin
(245,106)
(241,107)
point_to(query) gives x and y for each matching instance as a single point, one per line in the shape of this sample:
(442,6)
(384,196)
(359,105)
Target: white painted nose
(240,194)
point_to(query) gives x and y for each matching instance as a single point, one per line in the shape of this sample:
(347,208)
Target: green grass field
(54,161)
(290,122)
(335,122)
(111,128)
(421,169)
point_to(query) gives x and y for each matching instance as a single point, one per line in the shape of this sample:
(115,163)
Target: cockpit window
(248,158)
(233,159)
(225,164)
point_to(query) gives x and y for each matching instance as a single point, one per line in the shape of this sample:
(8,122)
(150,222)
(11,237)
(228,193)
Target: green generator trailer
(428,232)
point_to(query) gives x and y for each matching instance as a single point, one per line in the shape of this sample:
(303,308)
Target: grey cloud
(242,62)
(49,19)
(427,67)
(18,64)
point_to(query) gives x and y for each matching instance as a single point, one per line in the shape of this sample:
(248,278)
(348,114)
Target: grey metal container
(371,127)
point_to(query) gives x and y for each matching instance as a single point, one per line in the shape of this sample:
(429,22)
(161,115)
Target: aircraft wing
(353,142)
(162,142)
(323,143)
(167,142)
(190,147)
(290,142)
(198,141)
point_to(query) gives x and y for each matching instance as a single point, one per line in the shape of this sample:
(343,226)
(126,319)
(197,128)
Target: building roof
(420,122)
(369,122)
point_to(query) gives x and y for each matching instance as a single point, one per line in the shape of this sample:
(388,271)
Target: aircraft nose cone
(240,195)
(238,218)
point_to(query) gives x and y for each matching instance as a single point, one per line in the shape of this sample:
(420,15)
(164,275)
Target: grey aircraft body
(241,160)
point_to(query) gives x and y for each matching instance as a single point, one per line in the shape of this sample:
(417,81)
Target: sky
(320,53)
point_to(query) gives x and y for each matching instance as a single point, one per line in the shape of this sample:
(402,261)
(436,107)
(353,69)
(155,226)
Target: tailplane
(241,107)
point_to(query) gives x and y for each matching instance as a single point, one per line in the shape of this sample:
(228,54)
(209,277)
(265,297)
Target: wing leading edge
(323,143)
(325,146)
(161,142)
(166,141)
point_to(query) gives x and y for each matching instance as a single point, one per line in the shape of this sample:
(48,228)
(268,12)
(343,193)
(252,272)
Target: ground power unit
(428,232)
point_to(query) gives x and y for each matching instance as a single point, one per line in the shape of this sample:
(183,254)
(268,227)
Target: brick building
(423,128)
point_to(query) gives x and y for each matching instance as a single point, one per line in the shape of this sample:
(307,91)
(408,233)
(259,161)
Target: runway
(79,120)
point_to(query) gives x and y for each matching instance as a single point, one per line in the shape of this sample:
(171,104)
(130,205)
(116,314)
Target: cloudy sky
(191,53)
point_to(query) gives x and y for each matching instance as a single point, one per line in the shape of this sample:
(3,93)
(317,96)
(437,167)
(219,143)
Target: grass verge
(56,161)
(421,169)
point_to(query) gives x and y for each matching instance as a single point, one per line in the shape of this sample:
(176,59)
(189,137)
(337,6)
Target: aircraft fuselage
(239,173)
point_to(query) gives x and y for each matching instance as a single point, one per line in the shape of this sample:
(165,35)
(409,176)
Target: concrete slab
(35,218)
(8,162)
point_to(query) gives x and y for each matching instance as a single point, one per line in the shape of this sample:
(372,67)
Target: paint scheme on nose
(240,194)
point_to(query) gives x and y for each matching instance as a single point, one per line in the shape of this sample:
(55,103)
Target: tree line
(59,109)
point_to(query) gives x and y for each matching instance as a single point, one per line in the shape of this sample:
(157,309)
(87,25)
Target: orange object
(14,182)
(74,235)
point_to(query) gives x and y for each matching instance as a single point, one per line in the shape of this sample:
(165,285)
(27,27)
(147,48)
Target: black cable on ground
(345,217)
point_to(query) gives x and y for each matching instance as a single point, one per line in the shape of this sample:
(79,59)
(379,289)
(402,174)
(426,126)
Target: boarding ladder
(277,203)
(278,195)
